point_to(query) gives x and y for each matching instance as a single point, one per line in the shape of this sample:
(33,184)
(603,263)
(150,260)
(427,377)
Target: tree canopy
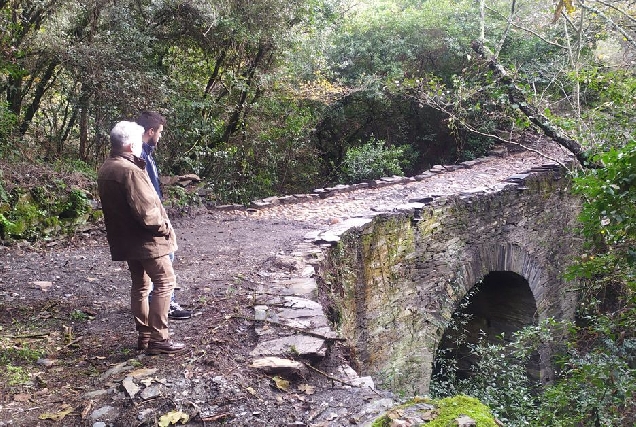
(257,92)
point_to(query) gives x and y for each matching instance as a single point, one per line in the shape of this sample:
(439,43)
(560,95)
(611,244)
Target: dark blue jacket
(151,167)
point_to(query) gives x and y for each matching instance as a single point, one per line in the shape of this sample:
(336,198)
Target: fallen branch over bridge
(518,98)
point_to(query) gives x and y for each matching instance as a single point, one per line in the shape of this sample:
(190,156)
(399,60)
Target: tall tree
(25,70)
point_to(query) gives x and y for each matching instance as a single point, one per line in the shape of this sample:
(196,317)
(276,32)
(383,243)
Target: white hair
(126,134)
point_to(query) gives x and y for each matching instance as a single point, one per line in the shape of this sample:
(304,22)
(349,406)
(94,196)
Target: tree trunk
(83,126)
(37,97)
(14,94)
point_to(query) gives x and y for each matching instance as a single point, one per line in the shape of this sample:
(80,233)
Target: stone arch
(505,259)
(498,306)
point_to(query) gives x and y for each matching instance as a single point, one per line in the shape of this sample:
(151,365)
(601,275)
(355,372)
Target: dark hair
(150,120)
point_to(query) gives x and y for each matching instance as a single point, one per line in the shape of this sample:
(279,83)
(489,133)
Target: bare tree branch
(507,30)
(518,99)
(438,106)
(609,20)
(621,11)
(528,30)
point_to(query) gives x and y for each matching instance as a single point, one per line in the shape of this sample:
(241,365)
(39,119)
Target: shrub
(374,160)
(41,212)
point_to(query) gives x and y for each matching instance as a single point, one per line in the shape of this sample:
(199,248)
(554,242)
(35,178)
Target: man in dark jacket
(153,124)
(139,232)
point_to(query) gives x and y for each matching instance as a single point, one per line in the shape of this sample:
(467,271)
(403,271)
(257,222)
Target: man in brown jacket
(139,232)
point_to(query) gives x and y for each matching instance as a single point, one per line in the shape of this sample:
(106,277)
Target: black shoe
(175,312)
(164,347)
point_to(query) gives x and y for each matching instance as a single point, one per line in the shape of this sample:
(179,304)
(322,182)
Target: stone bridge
(396,259)
(398,280)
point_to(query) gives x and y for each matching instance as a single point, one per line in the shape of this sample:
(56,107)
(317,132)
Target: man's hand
(168,228)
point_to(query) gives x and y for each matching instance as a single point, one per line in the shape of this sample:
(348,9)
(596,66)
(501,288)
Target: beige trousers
(151,317)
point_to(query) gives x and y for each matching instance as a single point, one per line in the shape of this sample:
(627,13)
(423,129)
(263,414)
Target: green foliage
(475,110)
(277,159)
(374,160)
(595,380)
(76,166)
(8,121)
(500,377)
(610,196)
(42,212)
(381,55)
(597,374)
(75,206)
(596,385)
(391,40)
(179,197)
(608,105)
(15,375)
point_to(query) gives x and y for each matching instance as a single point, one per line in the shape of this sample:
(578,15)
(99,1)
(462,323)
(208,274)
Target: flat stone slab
(131,388)
(278,365)
(301,303)
(304,323)
(333,234)
(309,315)
(517,177)
(394,179)
(408,207)
(351,377)
(295,312)
(328,237)
(327,332)
(304,346)
(151,392)
(301,286)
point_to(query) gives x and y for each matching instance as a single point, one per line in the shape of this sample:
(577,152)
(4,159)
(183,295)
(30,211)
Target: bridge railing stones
(322,193)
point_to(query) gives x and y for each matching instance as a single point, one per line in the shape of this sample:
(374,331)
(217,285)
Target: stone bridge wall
(397,280)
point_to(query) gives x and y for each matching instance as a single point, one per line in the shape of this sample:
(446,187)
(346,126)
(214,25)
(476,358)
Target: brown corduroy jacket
(137,226)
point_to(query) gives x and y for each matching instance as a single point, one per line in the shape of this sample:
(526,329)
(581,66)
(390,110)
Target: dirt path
(69,302)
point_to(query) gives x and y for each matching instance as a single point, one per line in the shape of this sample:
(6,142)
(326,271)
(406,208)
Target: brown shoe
(164,347)
(142,342)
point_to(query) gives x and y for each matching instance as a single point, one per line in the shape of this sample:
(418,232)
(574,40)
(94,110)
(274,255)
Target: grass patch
(15,375)
(15,362)
(22,354)
(80,316)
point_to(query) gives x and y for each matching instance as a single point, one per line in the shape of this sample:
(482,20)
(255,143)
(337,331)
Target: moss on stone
(451,408)
(447,410)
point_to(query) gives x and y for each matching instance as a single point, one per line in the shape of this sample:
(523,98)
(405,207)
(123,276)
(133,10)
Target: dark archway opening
(501,304)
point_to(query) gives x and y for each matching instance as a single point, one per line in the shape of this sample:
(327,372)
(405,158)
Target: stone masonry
(398,280)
